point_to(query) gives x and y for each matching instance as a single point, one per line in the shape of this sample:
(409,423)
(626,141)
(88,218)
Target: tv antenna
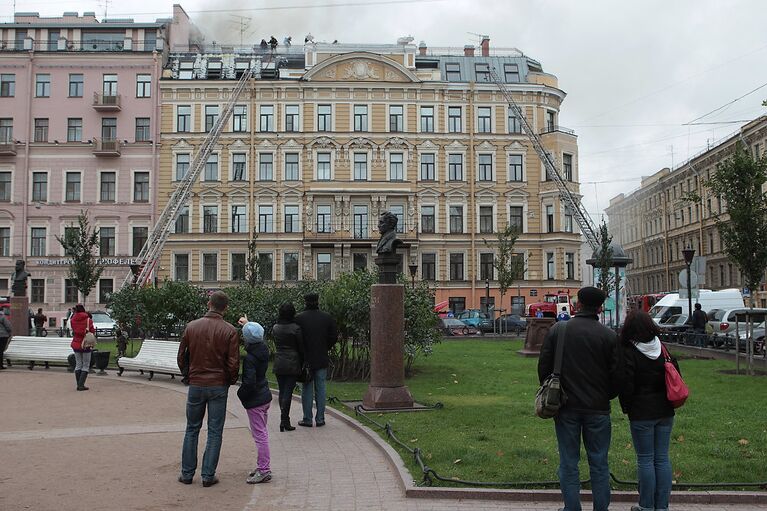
(242,23)
(105,5)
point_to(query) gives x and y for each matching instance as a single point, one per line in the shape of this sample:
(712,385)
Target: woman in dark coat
(651,415)
(287,360)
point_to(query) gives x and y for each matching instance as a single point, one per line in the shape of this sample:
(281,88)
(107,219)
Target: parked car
(104,324)
(453,326)
(511,323)
(675,323)
(477,318)
(758,339)
(724,321)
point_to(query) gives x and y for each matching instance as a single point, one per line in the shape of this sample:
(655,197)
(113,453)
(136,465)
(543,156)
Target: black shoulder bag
(551,397)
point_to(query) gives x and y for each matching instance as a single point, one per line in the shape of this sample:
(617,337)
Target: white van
(671,303)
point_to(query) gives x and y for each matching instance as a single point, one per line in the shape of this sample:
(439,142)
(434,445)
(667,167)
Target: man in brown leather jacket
(210,351)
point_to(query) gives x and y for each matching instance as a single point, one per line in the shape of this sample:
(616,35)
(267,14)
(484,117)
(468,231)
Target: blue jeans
(651,441)
(310,391)
(596,431)
(214,398)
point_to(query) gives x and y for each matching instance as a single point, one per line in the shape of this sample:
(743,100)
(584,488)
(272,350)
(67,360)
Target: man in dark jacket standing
(320,333)
(210,348)
(590,378)
(699,320)
(5,335)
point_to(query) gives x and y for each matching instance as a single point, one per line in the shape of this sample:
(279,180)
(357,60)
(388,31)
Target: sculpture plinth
(537,328)
(20,315)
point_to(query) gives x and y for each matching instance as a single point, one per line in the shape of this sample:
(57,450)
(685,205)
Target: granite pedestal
(537,328)
(20,315)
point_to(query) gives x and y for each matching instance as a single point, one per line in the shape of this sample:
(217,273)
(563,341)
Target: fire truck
(552,305)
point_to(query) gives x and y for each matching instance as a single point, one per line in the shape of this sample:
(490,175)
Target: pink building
(79,130)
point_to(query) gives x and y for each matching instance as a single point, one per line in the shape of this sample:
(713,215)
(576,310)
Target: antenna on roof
(105,5)
(243,24)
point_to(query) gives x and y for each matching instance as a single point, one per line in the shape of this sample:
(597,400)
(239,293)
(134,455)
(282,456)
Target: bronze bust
(387,226)
(19,279)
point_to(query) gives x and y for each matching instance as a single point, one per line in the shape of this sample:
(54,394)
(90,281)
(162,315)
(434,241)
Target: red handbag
(676,389)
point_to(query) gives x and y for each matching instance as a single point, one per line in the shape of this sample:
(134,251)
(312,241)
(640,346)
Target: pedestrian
(6,332)
(539,313)
(122,340)
(255,396)
(40,320)
(651,415)
(590,377)
(563,316)
(82,343)
(210,352)
(319,333)
(288,359)
(699,322)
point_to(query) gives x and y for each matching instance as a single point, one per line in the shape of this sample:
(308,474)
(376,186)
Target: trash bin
(101,360)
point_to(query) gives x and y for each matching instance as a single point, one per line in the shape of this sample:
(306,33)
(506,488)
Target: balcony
(7,148)
(107,147)
(557,129)
(106,103)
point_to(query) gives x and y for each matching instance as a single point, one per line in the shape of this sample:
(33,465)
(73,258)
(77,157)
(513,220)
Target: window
(109,128)
(323,266)
(40,187)
(142,129)
(74,129)
(291,166)
(210,267)
(323,219)
(210,219)
(567,166)
(360,117)
(238,166)
(37,294)
(291,118)
(140,235)
(569,265)
(38,236)
(429,266)
(266,118)
(41,130)
(5,186)
(108,186)
(486,167)
(265,266)
(427,167)
(515,167)
(265,219)
(106,241)
(7,85)
(71,294)
(550,265)
(457,304)
(456,219)
(486,266)
(427,219)
(396,167)
(549,218)
(427,119)
(456,266)
(485,219)
(184,118)
(484,114)
(240,118)
(399,212)
(360,222)
(143,86)
(515,217)
(6,131)
(511,73)
(238,266)
(453,72)
(265,167)
(5,241)
(454,119)
(359,262)
(181,264)
(211,168)
(455,167)
(482,70)
(290,263)
(515,126)
(211,116)
(141,187)
(106,287)
(291,219)
(568,219)
(323,166)
(42,85)
(360,166)
(182,221)
(72,192)
(324,119)
(182,165)
(109,85)
(396,118)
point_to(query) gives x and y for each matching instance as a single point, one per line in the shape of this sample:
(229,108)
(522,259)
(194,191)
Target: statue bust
(387,226)
(19,279)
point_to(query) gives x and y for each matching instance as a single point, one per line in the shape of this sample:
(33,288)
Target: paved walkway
(118,445)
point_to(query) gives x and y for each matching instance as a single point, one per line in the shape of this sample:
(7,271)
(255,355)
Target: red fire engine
(552,304)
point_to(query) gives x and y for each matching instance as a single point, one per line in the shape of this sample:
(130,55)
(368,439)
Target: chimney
(422,48)
(468,50)
(485,45)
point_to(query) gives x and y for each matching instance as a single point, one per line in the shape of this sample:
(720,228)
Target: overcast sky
(634,72)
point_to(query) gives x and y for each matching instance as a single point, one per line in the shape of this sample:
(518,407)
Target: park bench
(155,356)
(38,349)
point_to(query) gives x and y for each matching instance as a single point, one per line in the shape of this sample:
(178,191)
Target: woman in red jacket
(81,324)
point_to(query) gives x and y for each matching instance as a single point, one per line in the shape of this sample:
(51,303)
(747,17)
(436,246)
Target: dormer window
(453,72)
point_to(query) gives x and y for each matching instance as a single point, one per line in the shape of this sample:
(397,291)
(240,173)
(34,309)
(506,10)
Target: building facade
(655,223)
(328,136)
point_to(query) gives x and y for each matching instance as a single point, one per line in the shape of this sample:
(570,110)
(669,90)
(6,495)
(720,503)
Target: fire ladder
(150,253)
(565,195)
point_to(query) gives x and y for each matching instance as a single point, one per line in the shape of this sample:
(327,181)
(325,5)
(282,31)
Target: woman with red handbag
(644,398)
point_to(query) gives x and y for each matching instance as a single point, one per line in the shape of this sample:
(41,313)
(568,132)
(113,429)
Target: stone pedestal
(20,315)
(387,337)
(537,328)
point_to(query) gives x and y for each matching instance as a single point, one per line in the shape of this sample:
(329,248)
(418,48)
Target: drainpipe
(472,198)
(25,175)
(155,121)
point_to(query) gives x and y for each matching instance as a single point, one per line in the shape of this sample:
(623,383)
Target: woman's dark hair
(639,327)
(287,312)
(79,308)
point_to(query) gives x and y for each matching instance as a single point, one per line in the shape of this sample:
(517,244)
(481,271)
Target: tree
(603,261)
(508,265)
(78,243)
(252,269)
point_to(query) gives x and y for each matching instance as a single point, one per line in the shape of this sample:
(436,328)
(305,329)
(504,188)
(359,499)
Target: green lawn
(487,430)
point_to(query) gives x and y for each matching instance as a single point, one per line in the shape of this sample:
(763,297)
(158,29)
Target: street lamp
(413,267)
(688,254)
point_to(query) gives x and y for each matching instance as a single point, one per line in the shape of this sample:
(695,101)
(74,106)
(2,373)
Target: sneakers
(257,476)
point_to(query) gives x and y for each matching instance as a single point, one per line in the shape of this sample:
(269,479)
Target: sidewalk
(118,446)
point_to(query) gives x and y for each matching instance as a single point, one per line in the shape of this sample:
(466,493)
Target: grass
(487,430)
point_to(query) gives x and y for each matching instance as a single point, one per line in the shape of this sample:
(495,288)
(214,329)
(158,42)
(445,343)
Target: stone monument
(19,300)
(387,388)
(537,328)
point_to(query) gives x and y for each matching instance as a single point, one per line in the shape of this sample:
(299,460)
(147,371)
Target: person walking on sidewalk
(5,336)
(39,320)
(590,378)
(320,333)
(82,325)
(288,359)
(255,396)
(210,350)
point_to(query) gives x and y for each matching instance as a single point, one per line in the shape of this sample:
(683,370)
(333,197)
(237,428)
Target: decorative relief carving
(330,73)
(360,70)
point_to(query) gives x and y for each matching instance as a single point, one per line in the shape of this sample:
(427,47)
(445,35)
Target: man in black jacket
(320,333)
(590,378)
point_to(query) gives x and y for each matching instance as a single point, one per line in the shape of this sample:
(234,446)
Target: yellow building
(327,136)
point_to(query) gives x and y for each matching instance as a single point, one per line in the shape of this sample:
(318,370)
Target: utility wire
(727,104)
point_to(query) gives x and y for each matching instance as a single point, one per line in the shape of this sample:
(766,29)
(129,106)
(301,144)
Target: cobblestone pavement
(118,446)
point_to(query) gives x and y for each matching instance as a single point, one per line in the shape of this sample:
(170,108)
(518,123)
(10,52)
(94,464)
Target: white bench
(155,356)
(38,349)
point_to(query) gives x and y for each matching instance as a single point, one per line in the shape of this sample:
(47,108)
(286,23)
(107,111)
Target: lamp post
(413,267)
(688,254)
